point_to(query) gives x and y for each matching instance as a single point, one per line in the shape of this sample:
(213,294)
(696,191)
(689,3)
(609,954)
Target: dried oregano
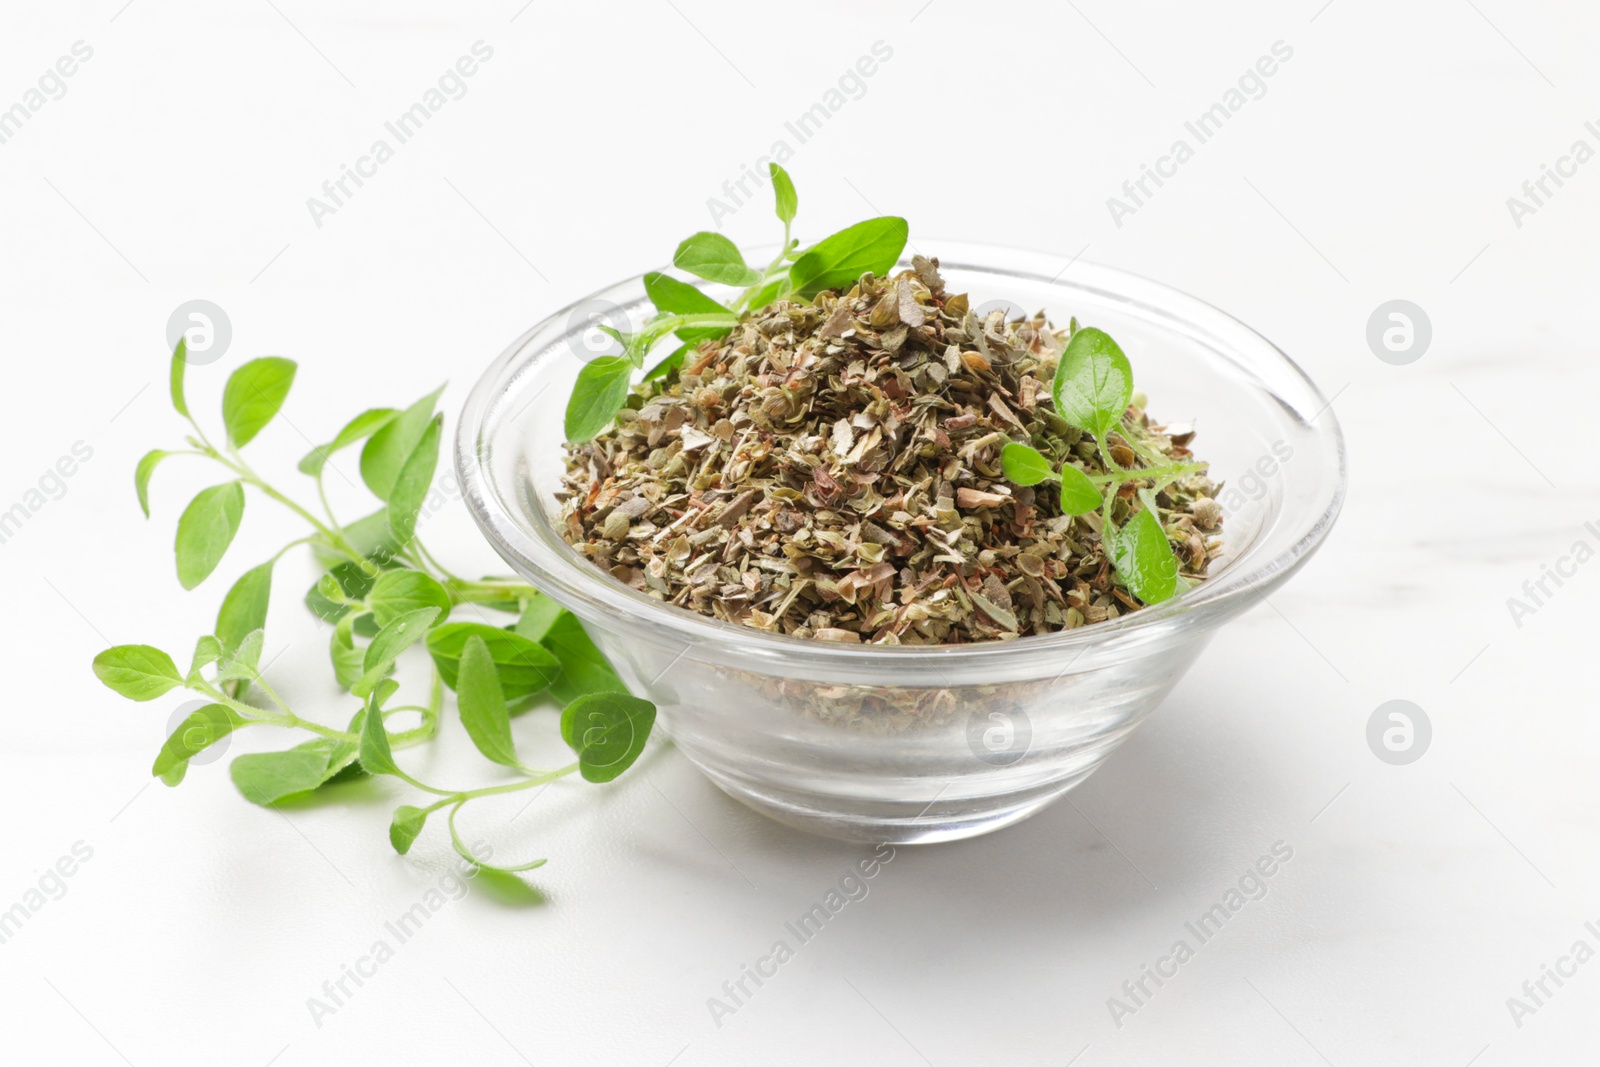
(868,462)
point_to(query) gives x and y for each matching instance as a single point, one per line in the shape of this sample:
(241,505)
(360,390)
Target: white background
(1376,166)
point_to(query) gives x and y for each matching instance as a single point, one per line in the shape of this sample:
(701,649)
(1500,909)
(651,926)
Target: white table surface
(1376,166)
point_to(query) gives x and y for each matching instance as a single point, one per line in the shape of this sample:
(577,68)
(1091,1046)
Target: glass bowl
(907,744)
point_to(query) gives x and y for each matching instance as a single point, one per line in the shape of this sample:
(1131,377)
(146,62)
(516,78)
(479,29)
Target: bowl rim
(579,584)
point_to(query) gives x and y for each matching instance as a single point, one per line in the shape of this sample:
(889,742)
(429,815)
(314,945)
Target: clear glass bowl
(906,744)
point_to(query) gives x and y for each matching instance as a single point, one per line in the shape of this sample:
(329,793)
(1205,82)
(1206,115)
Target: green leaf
(267,777)
(839,261)
(1079,495)
(205,530)
(1093,382)
(245,661)
(347,656)
(405,826)
(788,202)
(368,536)
(524,667)
(138,672)
(392,444)
(715,258)
(141,477)
(597,396)
(207,651)
(376,758)
(607,731)
(673,361)
(584,669)
(400,591)
(180,360)
(538,616)
(1024,465)
(359,428)
(483,703)
(203,727)
(671,296)
(393,639)
(253,395)
(1143,558)
(351,578)
(411,484)
(245,607)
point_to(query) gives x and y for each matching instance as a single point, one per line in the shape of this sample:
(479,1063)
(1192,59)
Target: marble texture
(1375,165)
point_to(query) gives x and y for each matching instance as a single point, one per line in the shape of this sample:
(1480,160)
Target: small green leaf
(839,261)
(788,202)
(673,361)
(405,826)
(538,615)
(393,639)
(403,590)
(1093,382)
(245,607)
(597,396)
(387,450)
(671,296)
(267,777)
(206,529)
(348,577)
(347,656)
(244,664)
(1143,558)
(524,667)
(680,298)
(607,731)
(715,258)
(359,428)
(203,727)
(138,672)
(483,703)
(584,669)
(411,484)
(180,359)
(141,477)
(253,395)
(376,758)
(1024,465)
(1079,495)
(207,651)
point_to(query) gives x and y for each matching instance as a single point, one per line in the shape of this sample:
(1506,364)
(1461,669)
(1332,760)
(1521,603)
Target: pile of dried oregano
(832,469)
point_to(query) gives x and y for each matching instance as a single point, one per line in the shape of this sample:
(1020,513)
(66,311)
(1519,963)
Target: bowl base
(902,823)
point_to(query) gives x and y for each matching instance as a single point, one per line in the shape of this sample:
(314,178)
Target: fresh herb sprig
(837,261)
(383,593)
(1092,389)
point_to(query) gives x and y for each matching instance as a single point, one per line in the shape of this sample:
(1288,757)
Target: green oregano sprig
(693,316)
(1092,389)
(383,594)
